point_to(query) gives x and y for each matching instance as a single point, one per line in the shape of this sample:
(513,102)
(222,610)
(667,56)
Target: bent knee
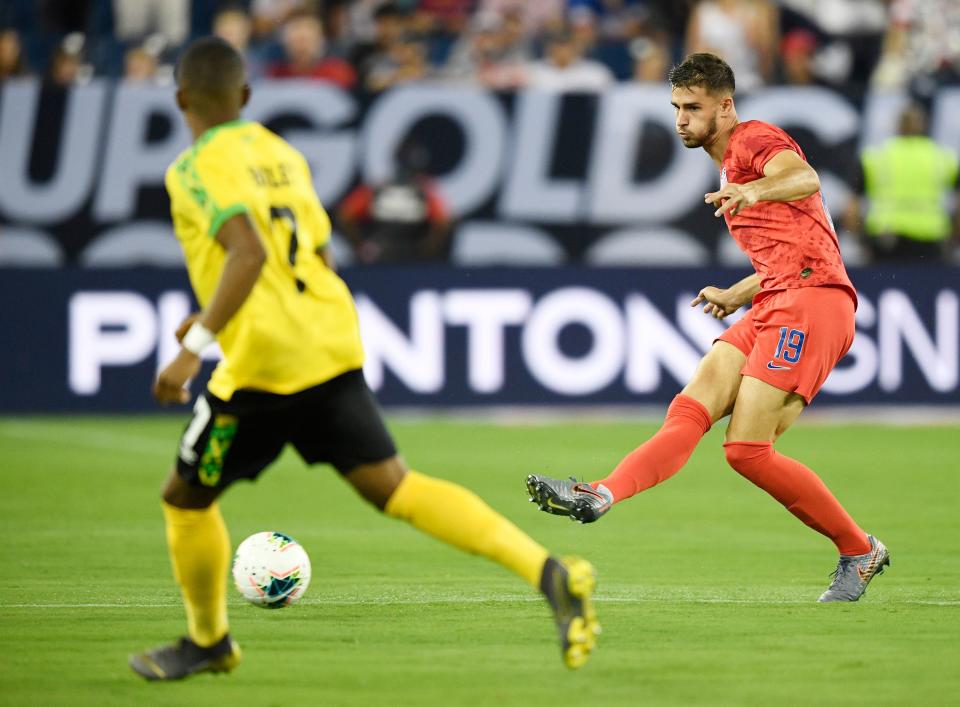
(717,379)
(748,457)
(180,494)
(377,482)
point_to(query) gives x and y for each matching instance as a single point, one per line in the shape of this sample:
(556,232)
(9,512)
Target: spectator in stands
(235,26)
(137,19)
(668,18)
(486,56)
(797,51)
(516,41)
(305,53)
(12,63)
(388,28)
(565,69)
(922,46)
(362,19)
(66,64)
(907,182)
(139,65)
(444,16)
(651,60)
(606,20)
(336,22)
(269,16)
(582,25)
(404,220)
(405,62)
(603,30)
(849,34)
(536,17)
(743,32)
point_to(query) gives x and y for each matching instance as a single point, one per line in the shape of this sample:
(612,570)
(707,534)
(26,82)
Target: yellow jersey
(298,327)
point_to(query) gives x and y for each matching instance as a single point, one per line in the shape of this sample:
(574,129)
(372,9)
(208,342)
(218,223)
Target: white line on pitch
(473,600)
(90,438)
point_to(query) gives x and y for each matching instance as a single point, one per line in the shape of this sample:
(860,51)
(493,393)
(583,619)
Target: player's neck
(201,124)
(717,148)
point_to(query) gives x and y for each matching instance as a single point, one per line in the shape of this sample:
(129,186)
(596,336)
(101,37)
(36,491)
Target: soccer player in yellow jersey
(255,239)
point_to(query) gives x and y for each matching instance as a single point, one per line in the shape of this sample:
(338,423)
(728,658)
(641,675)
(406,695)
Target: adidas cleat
(568,585)
(572,498)
(854,573)
(183,658)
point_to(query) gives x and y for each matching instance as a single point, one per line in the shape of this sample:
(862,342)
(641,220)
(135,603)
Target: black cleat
(183,658)
(568,585)
(572,498)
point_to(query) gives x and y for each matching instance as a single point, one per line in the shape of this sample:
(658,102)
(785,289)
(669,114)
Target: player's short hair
(210,69)
(705,70)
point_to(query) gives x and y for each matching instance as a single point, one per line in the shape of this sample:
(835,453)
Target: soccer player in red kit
(766,368)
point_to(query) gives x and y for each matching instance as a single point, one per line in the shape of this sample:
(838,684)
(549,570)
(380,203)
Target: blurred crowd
(577,45)
(900,205)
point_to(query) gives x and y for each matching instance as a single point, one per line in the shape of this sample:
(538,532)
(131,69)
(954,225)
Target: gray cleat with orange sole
(854,573)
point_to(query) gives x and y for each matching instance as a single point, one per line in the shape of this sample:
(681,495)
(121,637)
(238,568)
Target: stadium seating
(660,246)
(479,243)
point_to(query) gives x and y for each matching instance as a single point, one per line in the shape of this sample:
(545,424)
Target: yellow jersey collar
(211,131)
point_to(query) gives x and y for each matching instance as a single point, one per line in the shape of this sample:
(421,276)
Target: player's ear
(182,100)
(244,95)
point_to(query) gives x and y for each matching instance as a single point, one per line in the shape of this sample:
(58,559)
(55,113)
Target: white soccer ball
(271,570)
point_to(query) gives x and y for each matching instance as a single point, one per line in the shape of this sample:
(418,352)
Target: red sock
(800,490)
(661,456)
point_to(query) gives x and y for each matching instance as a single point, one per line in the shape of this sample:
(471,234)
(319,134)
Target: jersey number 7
(285,213)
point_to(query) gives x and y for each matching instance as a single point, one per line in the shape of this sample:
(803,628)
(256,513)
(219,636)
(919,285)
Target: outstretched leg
(708,397)
(460,518)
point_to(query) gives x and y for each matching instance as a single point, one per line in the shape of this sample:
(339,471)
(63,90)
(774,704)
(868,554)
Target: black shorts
(337,422)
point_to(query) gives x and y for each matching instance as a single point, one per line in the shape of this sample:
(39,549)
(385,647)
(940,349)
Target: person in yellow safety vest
(907,182)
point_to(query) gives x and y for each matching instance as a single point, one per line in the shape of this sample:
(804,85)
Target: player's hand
(719,303)
(732,197)
(169,387)
(185,326)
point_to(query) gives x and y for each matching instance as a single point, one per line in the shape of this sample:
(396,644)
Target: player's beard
(700,140)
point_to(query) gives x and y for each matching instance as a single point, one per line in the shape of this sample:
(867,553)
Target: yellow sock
(200,553)
(457,516)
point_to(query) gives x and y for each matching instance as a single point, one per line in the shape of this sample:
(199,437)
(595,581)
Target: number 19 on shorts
(790,345)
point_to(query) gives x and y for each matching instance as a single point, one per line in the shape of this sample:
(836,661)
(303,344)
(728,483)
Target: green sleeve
(188,175)
(220,217)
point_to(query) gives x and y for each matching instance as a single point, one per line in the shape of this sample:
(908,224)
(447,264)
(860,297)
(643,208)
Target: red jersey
(790,243)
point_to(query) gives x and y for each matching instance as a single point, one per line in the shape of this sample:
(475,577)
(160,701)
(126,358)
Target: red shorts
(793,338)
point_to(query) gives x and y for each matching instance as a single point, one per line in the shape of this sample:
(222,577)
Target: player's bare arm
(223,237)
(722,302)
(787,177)
(245,257)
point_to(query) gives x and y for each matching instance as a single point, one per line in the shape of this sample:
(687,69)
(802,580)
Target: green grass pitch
(707,587)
